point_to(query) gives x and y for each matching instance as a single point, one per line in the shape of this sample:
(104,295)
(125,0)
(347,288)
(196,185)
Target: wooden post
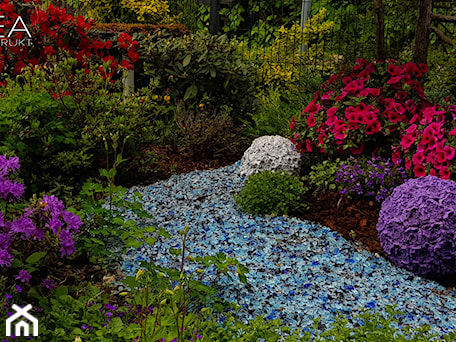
(214,20)
(420,51)
(379,10)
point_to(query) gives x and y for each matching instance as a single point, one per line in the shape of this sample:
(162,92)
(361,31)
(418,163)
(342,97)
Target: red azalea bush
(379,108)
(52,30)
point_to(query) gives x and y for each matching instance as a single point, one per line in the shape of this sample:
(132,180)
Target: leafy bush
(375,177)
(278,105)
(65,122)
(270,192)
(323,176)
(380,108)
(108,11)
(36,128)
(206,135)
(151,12)
(417,224)
(201,68)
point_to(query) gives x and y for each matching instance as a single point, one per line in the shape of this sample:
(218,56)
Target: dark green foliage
(271,193)
(65,123)
(201,68)
(33,128)
(205,135)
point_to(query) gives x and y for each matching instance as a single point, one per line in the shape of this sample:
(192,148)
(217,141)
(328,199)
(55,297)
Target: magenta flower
(24,276)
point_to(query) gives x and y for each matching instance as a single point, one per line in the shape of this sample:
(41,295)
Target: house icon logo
(21,326)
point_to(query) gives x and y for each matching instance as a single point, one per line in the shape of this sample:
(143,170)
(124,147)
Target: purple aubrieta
(417,226)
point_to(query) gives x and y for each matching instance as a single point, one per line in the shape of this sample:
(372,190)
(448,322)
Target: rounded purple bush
(417,226)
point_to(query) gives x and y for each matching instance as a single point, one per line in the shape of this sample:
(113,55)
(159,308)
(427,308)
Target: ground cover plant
(75,116)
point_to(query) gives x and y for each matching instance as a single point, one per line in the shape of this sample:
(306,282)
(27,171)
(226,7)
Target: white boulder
(270,153)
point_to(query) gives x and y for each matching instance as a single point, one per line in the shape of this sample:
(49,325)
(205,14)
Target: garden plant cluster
(69,137)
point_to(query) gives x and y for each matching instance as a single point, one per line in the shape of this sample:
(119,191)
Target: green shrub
(201,68)
(271,193)
(279,105)
(323,176)
(65,123)
(35,127)
(109,11)
(204,134)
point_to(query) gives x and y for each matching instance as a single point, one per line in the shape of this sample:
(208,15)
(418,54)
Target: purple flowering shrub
(417,226)
(30,234)
(375,177)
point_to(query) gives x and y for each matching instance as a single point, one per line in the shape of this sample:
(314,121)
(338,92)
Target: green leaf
(187,60)
(61,291)
(35,258)
(17,263)
(191,92)
(212,71)
(133,243)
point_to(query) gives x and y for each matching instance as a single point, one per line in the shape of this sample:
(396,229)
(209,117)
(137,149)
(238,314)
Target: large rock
(271,153)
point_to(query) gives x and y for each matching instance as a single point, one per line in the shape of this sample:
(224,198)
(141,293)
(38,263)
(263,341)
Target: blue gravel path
(298,270)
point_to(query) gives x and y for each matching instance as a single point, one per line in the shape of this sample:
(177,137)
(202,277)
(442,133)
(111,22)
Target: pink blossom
(449,152)
(418,158)
(452,132)
(327,95)
(444,173)
(341,96)
(311,121)
(373,127)
(407,141)
(411,129)
(313,107)
(292,123)
(394,80)
(308,145)
(354,86)
(332,111)
(419,170)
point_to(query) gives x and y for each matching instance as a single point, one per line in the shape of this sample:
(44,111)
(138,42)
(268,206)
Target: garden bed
(299,270)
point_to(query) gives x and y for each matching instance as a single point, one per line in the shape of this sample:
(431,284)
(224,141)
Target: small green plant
(270,192)
(174,298)
(323,176)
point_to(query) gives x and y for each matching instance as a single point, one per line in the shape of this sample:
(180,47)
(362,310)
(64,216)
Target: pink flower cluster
(379,104)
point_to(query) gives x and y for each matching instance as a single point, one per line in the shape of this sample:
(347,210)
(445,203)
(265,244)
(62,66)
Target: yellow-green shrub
(150,11)
(281,63)
(105,11)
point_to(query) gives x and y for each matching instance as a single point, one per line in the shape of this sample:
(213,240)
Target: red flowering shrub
(50,31)
(379,108)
